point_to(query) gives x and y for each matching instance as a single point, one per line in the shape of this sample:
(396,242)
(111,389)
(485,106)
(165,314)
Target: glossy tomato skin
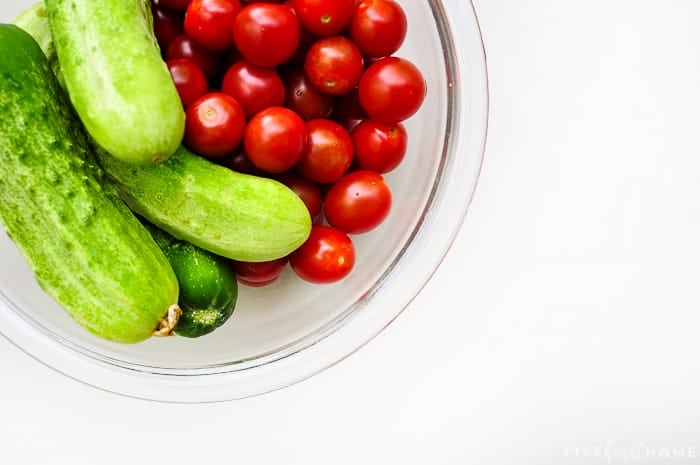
(379,146)
(308,191)
(214,125)
(266,34)
(328,151)
(378,27)
(324,18)
(303,98)
(358,202)
(274,139)
(392,90)
(167,24)
(259,274)
(174,4)
(327,256)
(189,80)
(184,47)
(209,22)
(334,65)
(254,87)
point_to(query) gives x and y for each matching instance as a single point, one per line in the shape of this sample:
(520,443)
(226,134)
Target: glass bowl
(290,330)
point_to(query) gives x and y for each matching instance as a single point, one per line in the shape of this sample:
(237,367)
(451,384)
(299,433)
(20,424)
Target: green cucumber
(35,21)
(86,248)
(235,215)
(208,285)
(116,78)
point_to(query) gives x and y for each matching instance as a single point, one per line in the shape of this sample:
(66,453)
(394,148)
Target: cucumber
(238,216)
(208,285)
(116,78)
(86,248)
(35,21)
(235,215)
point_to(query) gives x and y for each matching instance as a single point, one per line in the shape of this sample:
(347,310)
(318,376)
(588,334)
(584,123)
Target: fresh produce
(231,214)
(208,286)
(327,257)
(315,90)
(116,78)
(86,249)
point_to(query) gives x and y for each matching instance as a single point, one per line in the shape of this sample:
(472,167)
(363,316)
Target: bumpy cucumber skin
(231,214)
(85,247)
(116,78)
(208,285)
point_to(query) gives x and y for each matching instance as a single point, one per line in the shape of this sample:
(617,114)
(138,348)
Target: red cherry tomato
(274,139)
(167,24)
(175,4)
(358,202)
(209,22)
(308,191)
(214,125)
(327,256)
(184,47)
(303,98)
(378,27)
(392,89)
(334,65)
(254,87)
(190,81)
(323,17)
(266,34)
(240,163)
(379,146)
(258,274)
(328,151)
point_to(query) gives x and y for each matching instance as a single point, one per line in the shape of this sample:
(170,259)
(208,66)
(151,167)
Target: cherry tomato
(327,256)
(379,146)
(308,191)
(323,17)
(175,4)
(209,22)
(184,47)
(392,89)
(303,98)
(258,274)
(358,202)
(190,81)
(214,125)
(347,107)
(378,27)
(167,24)
(334,65)
(254,87)
(274,139)
(328,151)
(266,34)
(240,163)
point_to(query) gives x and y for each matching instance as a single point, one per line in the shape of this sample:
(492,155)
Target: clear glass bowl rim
(438,226)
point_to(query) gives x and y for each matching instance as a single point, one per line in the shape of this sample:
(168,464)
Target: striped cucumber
(235,215)
(85,247)
(116,78)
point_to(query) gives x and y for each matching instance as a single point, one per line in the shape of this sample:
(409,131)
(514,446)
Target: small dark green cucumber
(208,286)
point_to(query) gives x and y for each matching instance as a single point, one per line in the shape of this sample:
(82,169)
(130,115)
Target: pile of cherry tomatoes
(308,92)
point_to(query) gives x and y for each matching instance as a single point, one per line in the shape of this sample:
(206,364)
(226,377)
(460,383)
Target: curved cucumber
(235,215)
(85,247)
(115,77)
(208,285)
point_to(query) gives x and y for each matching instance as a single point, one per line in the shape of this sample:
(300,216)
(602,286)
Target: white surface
(561,328)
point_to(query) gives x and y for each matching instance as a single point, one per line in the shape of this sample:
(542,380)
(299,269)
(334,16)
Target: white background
(562,327)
